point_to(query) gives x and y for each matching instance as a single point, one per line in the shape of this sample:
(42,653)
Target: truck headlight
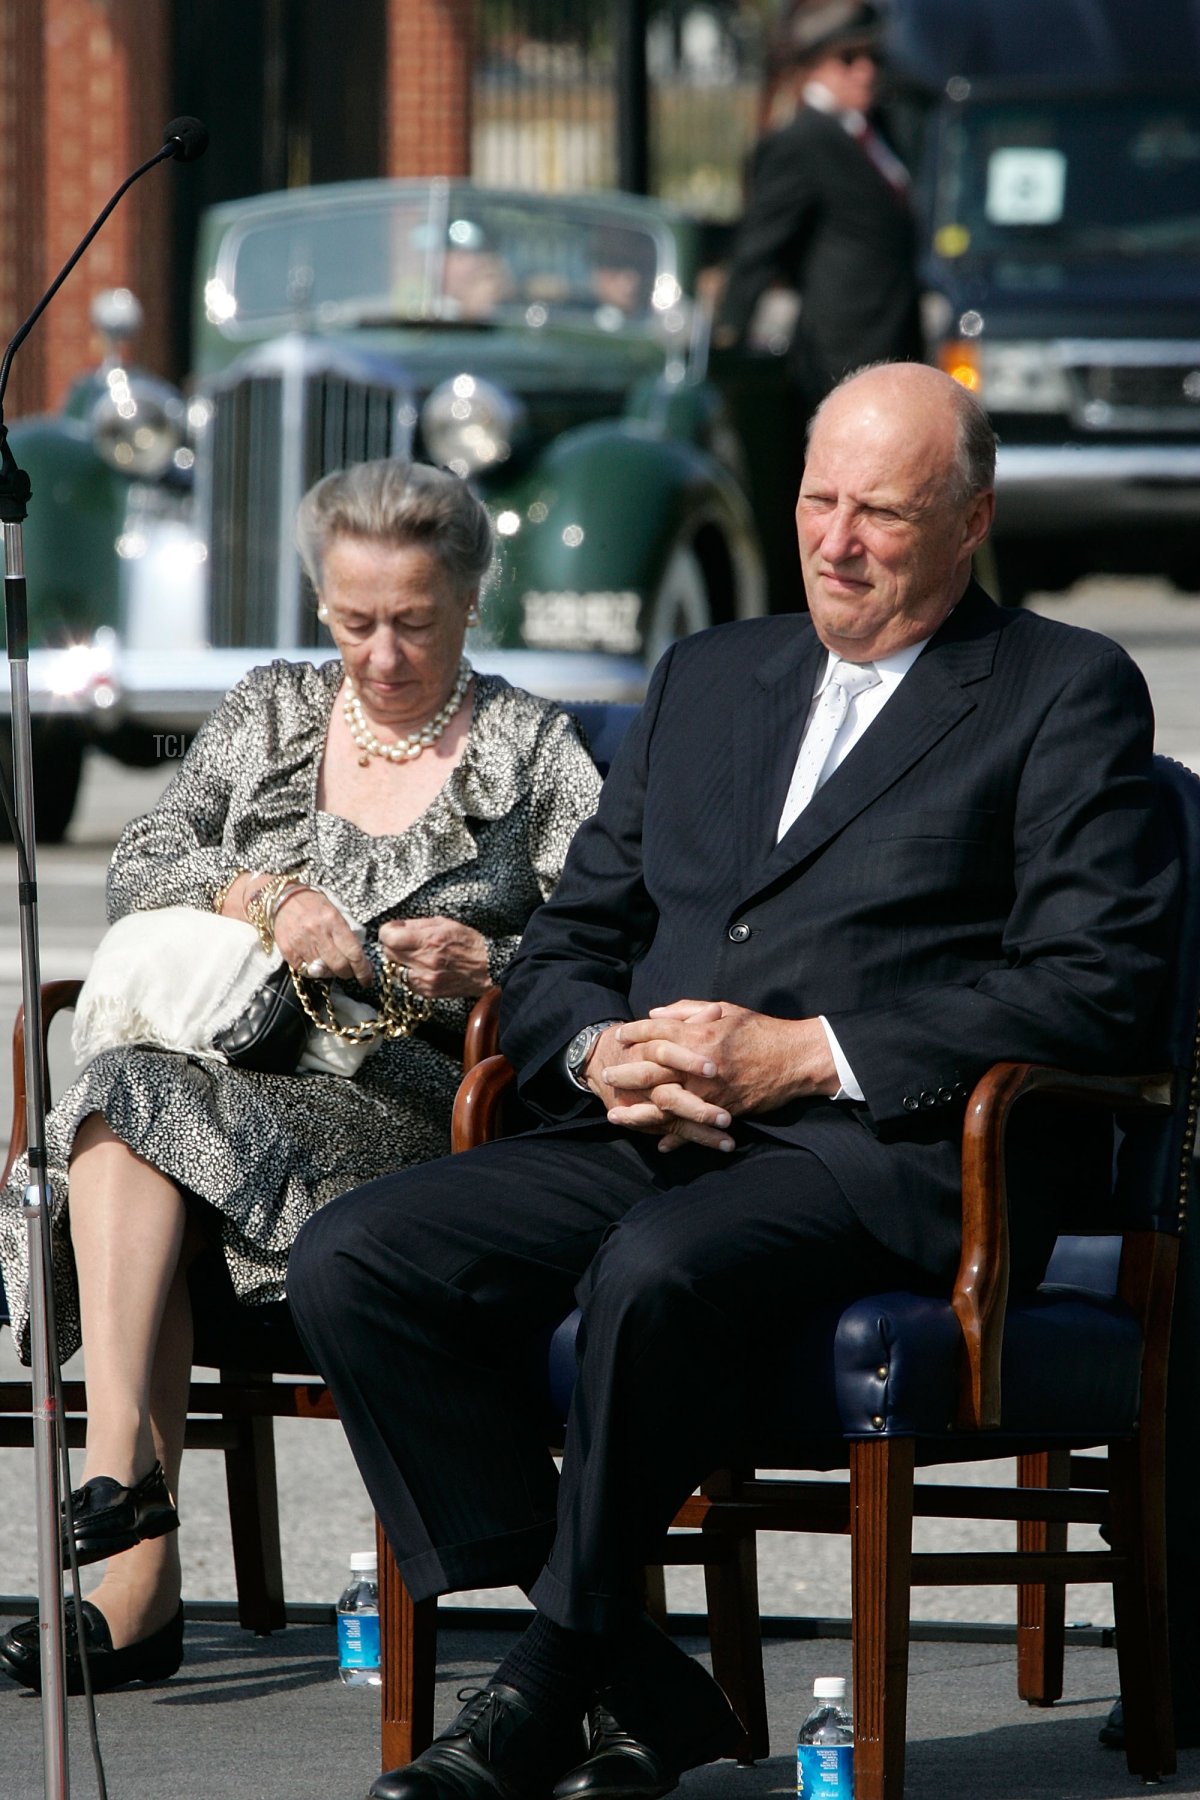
(138,423)
(470,424)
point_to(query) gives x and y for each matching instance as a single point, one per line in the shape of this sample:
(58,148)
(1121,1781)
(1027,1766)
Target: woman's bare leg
(128,1229)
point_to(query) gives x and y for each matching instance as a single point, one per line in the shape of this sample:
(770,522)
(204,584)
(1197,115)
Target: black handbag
(270,1035)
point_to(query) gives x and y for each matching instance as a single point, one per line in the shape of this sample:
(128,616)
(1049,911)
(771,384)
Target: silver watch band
(574,1068)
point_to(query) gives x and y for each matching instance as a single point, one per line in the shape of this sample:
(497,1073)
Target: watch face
(579,1046)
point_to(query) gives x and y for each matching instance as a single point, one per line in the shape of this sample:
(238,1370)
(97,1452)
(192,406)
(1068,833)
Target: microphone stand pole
(184,139)
(14,493)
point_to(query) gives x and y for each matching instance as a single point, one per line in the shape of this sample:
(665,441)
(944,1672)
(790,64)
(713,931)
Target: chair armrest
(981,1286)
(56,997)
(479,1102)
(482,1036)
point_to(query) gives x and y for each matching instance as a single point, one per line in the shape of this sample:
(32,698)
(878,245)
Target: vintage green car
(549,350)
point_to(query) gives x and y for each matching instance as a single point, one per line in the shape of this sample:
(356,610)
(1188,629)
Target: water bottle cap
(364,1562)
(829,1687)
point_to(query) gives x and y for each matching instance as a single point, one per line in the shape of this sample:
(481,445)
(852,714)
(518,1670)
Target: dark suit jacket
(985,876)
(822,217)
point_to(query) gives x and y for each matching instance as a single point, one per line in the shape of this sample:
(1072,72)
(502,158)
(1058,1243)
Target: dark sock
(555,1669)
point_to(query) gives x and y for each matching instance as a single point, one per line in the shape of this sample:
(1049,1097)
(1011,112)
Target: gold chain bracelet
(262,905)
(222,893)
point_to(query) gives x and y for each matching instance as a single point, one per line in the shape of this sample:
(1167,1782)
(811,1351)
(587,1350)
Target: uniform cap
(834,25)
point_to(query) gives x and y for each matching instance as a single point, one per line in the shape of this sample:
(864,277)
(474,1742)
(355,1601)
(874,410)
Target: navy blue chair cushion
(889,1365)
(603,723)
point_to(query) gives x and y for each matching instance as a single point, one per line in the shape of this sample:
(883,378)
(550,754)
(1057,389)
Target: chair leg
(408,1658)
(881,1515)
(1041,1607)
(254,1520)
(734,1632)
(1140,1603)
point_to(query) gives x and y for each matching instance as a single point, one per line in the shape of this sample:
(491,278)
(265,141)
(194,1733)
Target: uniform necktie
(884,158)
(845,681)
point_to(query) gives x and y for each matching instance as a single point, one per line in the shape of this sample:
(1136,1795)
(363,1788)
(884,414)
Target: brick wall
(429,87)
(85,88)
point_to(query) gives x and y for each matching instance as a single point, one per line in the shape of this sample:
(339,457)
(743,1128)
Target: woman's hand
(309,929)
(444,958)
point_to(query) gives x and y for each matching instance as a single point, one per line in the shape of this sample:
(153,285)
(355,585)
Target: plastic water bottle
(358,1623)
(825,1746)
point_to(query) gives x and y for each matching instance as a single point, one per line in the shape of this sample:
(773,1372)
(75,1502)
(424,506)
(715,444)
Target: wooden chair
(899,1380)
(250,1347)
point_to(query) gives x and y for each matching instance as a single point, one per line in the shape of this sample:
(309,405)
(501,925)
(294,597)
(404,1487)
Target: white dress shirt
(863,710)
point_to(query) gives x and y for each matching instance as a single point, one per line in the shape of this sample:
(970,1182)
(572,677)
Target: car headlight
(470,424)
(138,423)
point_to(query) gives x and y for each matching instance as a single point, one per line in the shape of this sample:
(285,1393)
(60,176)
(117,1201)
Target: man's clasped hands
(687,1070)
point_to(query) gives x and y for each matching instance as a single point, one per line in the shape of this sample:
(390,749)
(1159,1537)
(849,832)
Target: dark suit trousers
(426,1299)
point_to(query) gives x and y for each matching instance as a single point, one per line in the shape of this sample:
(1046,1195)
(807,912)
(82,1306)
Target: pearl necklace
(405,749)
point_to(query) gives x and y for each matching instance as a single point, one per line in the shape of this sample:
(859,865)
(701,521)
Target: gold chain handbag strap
(400,1011)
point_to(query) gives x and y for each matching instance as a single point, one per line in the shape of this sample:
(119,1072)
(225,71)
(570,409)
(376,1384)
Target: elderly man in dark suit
(842,863)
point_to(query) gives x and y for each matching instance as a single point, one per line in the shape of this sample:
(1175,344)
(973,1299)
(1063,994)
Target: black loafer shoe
(498,1748)
(618,1767)
(152,1658)
(660,1714)
(110,1518)
(1187,1729)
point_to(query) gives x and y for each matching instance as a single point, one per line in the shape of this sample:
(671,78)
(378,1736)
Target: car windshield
(444,255)
(1061,181)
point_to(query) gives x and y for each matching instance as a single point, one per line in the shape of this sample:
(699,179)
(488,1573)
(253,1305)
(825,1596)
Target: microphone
(187,138)
(184,139)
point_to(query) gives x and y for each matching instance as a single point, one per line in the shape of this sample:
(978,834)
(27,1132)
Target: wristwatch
(580,1048)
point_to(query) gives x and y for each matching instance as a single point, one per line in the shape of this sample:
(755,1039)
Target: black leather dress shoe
(110,1518)
(660,1714)
(152,1658)
(1187,1729)
(498,1748)
(618,1766)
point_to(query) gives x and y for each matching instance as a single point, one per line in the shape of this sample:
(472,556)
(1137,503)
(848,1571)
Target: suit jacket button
(928,1098)
(910,1103)
(945,1095)
(738,934)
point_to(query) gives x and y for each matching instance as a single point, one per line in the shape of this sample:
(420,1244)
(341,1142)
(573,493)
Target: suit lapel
(766,741)
(931,700)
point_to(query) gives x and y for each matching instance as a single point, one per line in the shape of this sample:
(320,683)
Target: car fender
(76,514)
(588,532)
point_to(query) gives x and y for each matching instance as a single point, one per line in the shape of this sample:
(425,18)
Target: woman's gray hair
(397,502)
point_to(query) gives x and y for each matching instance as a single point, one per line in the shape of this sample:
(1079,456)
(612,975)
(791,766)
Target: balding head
(896,498)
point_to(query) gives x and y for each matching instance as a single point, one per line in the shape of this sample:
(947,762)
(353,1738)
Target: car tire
(57,772)
(682,604)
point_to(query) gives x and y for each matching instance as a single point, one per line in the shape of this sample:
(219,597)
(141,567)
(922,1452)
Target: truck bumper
(1057,489)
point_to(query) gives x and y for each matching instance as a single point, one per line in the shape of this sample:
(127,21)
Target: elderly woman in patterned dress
(396,787)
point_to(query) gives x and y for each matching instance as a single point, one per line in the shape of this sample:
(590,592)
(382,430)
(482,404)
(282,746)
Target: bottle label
(825,1771)
(358,1640)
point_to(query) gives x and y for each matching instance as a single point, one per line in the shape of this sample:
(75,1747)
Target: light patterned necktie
(845,681)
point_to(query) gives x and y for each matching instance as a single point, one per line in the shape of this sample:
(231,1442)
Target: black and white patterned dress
(267,1150)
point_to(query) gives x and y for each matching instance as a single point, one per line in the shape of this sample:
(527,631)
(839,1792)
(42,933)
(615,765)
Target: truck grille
(1142,395)
(276,425)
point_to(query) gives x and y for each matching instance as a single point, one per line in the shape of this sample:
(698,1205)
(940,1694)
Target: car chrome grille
(269,436)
